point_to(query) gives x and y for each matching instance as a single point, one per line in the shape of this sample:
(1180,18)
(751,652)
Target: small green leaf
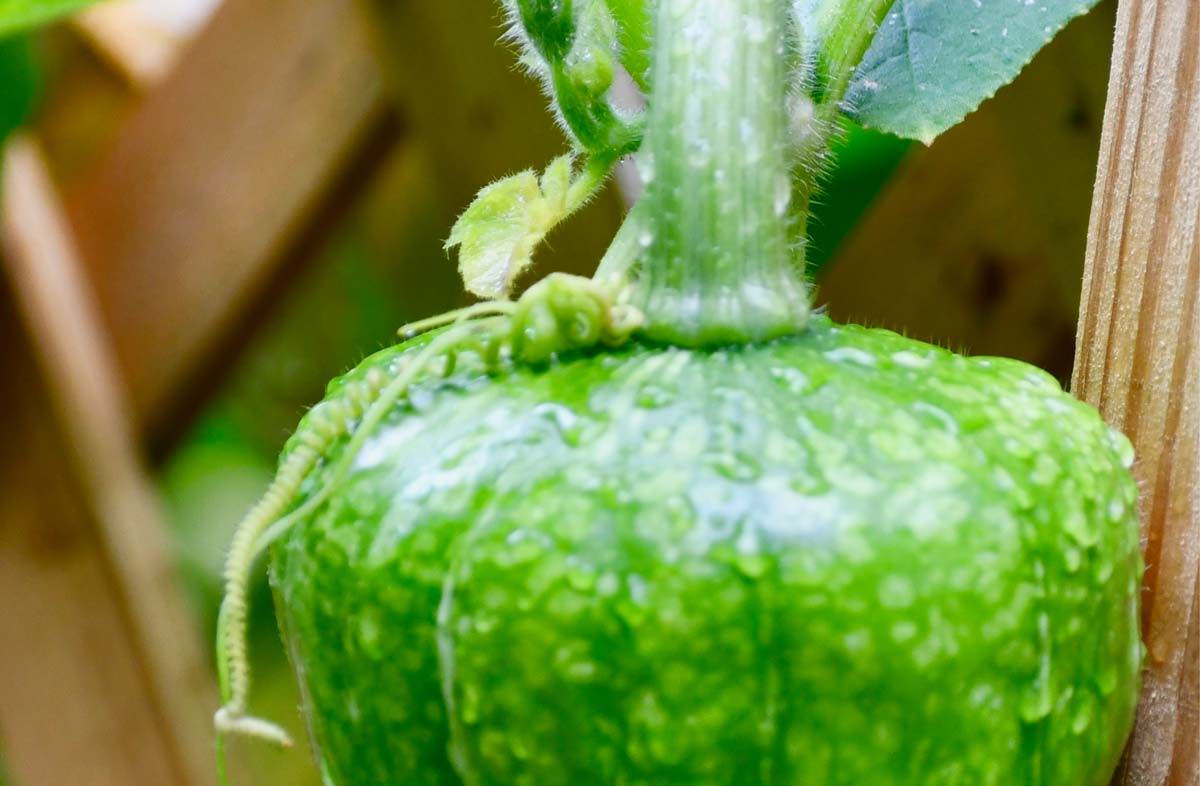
(497,234)
(934,61)
(23,14)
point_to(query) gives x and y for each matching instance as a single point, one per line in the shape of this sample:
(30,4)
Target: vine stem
(845,29)
(716,263)
(715,246)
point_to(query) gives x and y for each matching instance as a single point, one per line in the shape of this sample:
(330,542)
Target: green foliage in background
(18,83)
(861,164)
(16,15)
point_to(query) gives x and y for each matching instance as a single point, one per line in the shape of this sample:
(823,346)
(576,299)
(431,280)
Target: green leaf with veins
(934,61)
(23,14)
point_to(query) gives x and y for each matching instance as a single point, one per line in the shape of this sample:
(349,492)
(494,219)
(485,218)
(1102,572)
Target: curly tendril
(559,314)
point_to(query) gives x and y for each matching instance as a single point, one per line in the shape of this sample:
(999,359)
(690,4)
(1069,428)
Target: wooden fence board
(97,643)
(222,168)
(1139,352)
(226,161)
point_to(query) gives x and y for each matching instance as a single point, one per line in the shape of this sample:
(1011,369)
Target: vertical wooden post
(224,164)
(1138,352)
(87,400)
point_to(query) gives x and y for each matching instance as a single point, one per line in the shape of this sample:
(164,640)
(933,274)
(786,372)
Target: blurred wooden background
(174,193)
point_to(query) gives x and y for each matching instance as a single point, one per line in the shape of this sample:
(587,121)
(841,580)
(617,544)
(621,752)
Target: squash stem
(716,264)
(715,247)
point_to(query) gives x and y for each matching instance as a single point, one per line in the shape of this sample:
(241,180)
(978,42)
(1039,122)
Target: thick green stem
(715,264)
(716,243)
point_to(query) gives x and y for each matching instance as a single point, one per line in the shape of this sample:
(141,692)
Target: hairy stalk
(715,247)
(715,263)
(844,29)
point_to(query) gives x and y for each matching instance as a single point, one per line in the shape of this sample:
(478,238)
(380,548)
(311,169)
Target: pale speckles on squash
(769,565)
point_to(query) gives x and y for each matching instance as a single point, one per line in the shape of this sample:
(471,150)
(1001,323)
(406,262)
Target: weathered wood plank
(142,623)
(225,162)
(75,706)
(1138,356)
(139,50)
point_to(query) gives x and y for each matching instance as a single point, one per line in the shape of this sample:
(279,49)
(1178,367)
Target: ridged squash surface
(842,559)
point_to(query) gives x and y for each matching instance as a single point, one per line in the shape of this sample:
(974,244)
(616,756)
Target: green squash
(666,527)
(843,557)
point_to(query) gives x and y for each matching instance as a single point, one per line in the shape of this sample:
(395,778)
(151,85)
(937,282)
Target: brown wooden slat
(1138,356)
(142,630)
(208,189)
(75,705)
(139,50)
(191,212)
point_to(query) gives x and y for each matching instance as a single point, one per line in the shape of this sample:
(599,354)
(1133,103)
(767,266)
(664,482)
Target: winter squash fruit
(666,526)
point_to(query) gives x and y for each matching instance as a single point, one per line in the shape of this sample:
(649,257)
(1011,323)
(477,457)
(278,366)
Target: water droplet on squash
(1122,446)
(573,663)
(608,584)
(369,633)
(1036,701)
(1045,470)
(896,592)
(857,641)
(903,631)
(1077,526)
(1106,680)
(851,355)
(910,359)
(482,624)
(1085,709)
